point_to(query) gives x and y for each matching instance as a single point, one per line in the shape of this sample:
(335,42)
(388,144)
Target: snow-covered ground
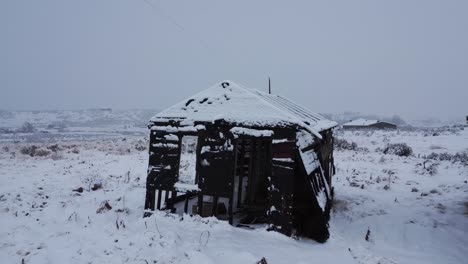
(80,199)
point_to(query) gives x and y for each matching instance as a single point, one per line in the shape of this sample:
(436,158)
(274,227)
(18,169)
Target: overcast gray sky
(385,57)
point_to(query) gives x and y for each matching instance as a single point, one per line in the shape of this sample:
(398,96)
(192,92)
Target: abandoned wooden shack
(368,124)
(244,156)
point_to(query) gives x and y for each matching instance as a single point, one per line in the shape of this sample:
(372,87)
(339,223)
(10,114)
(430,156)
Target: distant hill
(96,117)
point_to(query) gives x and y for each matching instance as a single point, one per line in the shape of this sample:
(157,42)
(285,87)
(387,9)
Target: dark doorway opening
(253,167)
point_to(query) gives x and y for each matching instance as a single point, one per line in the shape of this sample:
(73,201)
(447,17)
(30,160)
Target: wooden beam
(215,205)
(159,199)
(186,203)
(240,171)
(173,198)
(200,204)
(166,199)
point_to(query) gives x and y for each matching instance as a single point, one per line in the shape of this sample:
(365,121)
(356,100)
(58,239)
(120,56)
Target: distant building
(368,124)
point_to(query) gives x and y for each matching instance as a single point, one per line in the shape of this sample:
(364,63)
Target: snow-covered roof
(363,122)
(235,103)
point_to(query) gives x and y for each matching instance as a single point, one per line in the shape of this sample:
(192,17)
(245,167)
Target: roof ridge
(250,105)
(294,117)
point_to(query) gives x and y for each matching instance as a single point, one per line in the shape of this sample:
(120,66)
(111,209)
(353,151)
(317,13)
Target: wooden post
(200,204)
(231,216)
(269,85)
(215,205)
(159,199)
(149,202)
(166,199)
(186,202)
(150,194)
(240,166)
(173,200)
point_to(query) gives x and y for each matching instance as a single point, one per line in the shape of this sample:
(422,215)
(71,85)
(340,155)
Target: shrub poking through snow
(140,145)
(427,167)
(80,190)
(42,153)
(53,148)
(28,150)
(96,186)
(461,157)
(34,151)
(343,144)
(399,149)
(26,128)
(105,206)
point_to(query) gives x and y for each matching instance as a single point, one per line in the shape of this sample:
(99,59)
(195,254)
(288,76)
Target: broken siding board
(240,160)
(280,196)
(282,188)
(163,163)
(231,196)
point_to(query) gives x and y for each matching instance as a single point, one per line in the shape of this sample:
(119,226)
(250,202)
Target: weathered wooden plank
(159,199)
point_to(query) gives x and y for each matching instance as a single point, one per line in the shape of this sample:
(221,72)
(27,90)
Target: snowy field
(77,196)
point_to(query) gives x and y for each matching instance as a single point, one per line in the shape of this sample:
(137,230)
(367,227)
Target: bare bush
(461,157)
(343,144)
(41,153)
(53,148)
(140,145)
(427,167)
(399,149)
(29,150)
(104,207)
(34,151)
(26,128)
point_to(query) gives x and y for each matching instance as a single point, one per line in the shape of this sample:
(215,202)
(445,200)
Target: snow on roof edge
(313,122)
(364,122)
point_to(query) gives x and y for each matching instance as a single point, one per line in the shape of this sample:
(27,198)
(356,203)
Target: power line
(160,11)
(157,9)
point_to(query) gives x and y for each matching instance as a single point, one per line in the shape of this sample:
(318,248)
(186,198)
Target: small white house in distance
(368,124)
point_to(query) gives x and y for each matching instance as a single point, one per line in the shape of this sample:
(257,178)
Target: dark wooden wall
(281,184)
(290,193)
